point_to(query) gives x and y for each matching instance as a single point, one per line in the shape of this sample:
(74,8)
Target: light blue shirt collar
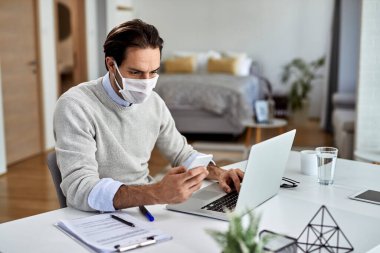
(111,92)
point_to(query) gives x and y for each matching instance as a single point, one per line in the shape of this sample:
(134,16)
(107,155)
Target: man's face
(140,63)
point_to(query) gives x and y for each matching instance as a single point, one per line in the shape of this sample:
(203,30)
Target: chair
(57,178)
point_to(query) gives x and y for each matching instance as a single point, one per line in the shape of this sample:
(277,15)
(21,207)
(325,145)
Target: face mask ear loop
(117,83)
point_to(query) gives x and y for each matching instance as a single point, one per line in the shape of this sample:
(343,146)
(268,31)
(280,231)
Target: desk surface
(288,213)
(367,156)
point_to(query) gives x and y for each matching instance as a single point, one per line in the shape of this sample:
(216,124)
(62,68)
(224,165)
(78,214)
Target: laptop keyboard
(228,201)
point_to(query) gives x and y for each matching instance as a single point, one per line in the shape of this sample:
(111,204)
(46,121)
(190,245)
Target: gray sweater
(97,138)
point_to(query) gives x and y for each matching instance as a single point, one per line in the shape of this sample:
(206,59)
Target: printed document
(102,233)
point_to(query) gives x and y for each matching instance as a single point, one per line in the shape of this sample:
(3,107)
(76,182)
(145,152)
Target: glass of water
(326,157)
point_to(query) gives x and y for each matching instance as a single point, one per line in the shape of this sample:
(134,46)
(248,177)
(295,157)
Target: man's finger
(196,179)
(235,179)
(194,173)
(196,187)
(176,170)
(240,174)
(225,186)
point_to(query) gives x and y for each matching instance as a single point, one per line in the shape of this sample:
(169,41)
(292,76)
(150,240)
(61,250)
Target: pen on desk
(146,213)
(122,220)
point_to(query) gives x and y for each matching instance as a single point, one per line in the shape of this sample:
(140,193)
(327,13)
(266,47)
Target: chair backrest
(57,178)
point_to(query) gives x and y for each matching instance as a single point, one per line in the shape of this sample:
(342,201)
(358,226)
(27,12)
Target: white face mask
(136,91)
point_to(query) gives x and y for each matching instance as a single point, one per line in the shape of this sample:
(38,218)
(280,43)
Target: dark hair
(134,33)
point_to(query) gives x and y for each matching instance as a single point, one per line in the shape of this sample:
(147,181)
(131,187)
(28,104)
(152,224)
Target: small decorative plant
(239,239)
(300,75)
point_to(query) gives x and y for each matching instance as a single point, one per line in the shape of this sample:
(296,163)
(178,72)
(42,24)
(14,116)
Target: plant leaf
(300,75)
(218,236)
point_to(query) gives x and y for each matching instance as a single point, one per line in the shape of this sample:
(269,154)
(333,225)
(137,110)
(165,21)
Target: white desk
(369,156)
(288,212)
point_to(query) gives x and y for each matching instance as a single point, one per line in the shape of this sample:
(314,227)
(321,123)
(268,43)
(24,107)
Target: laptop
(263,174)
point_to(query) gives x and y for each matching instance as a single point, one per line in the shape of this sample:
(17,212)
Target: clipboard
(101,233)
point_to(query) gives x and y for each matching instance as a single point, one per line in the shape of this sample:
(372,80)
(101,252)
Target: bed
(210,103)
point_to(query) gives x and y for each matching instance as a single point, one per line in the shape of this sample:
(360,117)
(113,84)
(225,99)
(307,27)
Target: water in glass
(326,168)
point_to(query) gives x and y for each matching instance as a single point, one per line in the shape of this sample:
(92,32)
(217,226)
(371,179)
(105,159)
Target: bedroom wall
(272,32)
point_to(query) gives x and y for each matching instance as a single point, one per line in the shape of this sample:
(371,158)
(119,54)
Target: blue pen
(147,214)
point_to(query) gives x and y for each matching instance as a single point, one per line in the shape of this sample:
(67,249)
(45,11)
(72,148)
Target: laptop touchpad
(206,195)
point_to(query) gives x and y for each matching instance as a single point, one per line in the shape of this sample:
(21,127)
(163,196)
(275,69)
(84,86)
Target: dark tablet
(370,196)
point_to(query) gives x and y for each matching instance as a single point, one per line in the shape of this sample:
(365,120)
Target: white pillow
(244,66)
(244,62)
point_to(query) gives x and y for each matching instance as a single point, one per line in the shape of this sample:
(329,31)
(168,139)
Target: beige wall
(368,106)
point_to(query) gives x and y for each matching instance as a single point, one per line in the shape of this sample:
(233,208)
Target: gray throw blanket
(227,95)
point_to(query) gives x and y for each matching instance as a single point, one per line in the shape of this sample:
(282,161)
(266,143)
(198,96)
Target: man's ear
(110,63)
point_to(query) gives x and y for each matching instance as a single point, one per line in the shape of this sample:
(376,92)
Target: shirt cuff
(102,195)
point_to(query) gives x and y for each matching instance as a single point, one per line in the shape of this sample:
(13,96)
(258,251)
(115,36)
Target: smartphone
(200,161)
(370,196)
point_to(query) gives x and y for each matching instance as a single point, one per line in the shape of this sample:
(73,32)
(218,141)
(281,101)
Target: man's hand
(177,186)
(179,183)
(228,179)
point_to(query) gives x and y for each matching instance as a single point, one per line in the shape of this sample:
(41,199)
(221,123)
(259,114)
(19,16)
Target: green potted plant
(300,74)
(238,239)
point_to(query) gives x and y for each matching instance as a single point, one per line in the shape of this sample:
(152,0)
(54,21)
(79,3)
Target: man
(106,129)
